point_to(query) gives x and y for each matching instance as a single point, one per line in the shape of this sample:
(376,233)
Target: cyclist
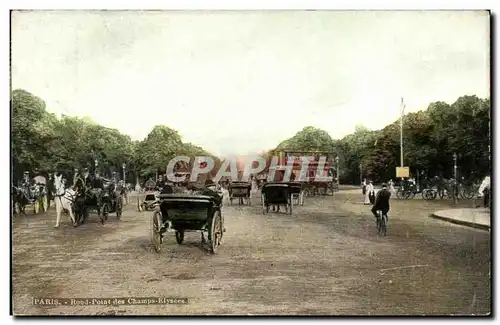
(382,201)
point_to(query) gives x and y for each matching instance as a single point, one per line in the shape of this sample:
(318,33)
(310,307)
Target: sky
(242,82)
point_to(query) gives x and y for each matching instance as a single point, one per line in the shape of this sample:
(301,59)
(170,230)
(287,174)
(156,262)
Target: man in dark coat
(382,201)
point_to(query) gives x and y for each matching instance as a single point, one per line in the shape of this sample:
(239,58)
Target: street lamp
(455,176)
(337,163)
(401,129)
(123,167)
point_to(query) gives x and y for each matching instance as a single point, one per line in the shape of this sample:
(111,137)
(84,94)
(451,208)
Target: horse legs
(58,211)
(71,215)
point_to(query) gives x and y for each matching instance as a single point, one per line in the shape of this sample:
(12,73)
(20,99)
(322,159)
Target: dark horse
(88,196)
(19,200)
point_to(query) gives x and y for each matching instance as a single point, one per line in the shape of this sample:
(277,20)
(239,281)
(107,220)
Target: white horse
(64,199)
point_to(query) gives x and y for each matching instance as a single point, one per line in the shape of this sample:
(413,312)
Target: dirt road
(324,259)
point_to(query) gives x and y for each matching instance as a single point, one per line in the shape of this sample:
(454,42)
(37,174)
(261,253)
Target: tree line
(43,143)
(431,137)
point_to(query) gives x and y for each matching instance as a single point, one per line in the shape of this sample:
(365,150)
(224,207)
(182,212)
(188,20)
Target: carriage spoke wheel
(156,223)
(105,213)
(179,236)
(215,233)
(290,205)
(119,208)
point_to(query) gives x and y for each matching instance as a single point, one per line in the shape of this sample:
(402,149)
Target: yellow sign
(402,172)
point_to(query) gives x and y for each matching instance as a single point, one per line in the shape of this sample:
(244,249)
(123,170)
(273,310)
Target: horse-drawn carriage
(99,194)
(241,191)
(279,193)
(150,197)
(112,200)
(32,192)
(181,213)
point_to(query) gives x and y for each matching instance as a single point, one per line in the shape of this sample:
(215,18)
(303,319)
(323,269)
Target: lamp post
(455,176)
(338,170)
(123,168)
(401,129)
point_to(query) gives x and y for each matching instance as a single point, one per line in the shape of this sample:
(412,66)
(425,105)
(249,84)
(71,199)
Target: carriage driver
(26,179)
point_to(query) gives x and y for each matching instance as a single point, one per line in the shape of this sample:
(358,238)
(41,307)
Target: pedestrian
(484,190)
(369,189)
(391,187)
(371,194)
(363,187)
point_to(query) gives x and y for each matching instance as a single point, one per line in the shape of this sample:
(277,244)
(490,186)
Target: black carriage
(94,193)
(182,213)
(277,194)
(112,201)
(241,191)
(149,201)
(150,197)
(297,192)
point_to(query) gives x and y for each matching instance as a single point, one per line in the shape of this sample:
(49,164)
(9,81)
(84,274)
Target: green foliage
(430,138)
(43,143)
(309,139)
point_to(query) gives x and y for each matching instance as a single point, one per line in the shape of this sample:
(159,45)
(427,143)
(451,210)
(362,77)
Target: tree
(43,143)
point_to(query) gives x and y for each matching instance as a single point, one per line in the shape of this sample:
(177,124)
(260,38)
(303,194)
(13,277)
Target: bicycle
(381,223)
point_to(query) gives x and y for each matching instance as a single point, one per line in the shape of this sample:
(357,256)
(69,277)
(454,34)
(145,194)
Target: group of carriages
(91,193)
(31,192)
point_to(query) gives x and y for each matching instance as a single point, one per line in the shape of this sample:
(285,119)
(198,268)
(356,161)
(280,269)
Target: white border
(184,4)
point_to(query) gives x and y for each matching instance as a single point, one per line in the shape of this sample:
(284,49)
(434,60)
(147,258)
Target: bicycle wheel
(378,223)
(383,226)
(467,193)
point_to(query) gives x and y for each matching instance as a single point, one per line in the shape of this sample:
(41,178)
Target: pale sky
(241,82)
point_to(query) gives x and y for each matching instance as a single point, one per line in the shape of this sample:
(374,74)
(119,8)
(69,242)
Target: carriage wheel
(399,194)
(156,222)
(86,213)
(290,205)
(36,207)
(467,193)
(179,236)
(119,208)
(215,232)
(265,208)
(105,213)
(45,204)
